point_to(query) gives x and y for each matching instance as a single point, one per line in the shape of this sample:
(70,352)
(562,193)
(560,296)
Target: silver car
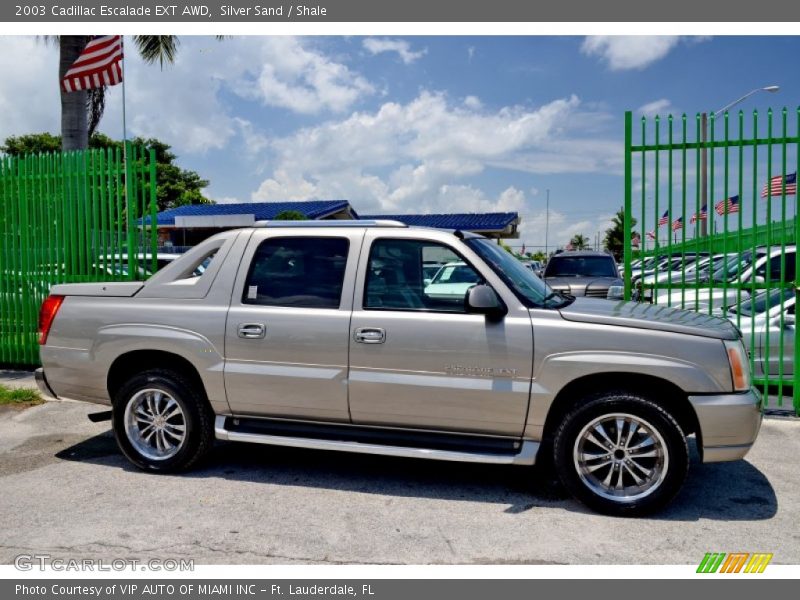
(326,335)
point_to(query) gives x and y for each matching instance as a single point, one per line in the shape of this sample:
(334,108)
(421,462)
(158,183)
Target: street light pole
(704,153)
(546,224)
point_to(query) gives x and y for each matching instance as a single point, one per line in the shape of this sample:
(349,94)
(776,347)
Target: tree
(615,235)
(81,111)
(579,242)
(175,186)
(290,215)
(538,255)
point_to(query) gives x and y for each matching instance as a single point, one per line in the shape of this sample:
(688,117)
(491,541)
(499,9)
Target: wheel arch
(661,391)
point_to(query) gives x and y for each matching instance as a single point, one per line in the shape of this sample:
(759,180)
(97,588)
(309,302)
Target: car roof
(581,253)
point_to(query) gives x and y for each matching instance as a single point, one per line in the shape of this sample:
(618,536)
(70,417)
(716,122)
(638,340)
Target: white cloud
(622,52)
(656,107)
(423,155)
(473,102)
(29,97)
(401,47)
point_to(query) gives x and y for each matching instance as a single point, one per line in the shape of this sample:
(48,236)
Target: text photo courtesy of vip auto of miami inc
(518,301)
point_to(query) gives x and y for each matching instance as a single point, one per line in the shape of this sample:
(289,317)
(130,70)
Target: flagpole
(126,166)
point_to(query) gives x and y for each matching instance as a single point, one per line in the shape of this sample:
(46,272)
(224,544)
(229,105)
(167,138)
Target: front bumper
(729,424)
(41,383)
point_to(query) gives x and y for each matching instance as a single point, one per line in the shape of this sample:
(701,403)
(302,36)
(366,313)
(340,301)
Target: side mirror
(427,281)
(482,299)
(759,279)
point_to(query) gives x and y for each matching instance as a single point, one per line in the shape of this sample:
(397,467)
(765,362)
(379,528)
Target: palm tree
(579,242)
(81,111)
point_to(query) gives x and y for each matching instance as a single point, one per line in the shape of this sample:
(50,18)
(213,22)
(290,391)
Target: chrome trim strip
(526,455)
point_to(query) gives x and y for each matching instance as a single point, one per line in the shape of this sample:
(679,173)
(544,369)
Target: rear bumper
(41,383)
(729,424)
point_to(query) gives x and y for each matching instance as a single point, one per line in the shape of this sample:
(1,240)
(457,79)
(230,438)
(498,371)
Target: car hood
(577,286)
(648,316)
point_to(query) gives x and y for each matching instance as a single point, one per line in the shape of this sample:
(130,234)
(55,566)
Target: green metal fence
(66,218)
(716,207)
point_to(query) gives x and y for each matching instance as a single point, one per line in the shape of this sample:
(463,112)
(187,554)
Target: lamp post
(546,225)
(704,154)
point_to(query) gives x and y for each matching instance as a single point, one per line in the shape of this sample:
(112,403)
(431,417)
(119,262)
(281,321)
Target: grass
(19,396)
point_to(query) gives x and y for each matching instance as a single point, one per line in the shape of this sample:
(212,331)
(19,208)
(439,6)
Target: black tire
(195,416)
(672,460)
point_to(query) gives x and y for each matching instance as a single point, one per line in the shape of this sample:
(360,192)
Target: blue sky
(415,124)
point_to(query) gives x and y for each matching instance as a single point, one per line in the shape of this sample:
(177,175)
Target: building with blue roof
(188,225)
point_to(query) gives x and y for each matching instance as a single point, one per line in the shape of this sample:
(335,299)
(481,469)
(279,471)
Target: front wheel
(162,422)
(621,454)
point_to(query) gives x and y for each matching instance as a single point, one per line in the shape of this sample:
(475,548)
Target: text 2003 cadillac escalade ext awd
(322,335)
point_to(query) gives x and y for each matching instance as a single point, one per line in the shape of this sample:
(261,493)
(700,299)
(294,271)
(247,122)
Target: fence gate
(65,218)
(711,211)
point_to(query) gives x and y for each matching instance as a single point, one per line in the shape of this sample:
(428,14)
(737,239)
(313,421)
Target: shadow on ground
(735,491)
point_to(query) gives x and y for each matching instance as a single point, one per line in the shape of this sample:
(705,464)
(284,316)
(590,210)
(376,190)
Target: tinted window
(396,277)
(303,272)
(581,266)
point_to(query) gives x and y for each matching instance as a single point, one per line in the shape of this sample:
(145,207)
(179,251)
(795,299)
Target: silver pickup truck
(323,335)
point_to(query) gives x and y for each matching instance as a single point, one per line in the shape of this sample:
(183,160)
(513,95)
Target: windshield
(763,301)
(527,286)
(458,273)
(581,266)
(729,270)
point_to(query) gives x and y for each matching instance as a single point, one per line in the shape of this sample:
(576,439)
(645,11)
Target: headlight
(615,292)
(740,366)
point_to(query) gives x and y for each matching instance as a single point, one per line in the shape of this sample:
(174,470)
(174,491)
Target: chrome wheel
(155,424)
(621,457)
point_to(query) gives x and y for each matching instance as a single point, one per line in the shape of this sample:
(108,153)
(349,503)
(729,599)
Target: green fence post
(628,204)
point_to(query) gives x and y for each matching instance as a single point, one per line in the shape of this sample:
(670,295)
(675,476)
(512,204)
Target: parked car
(767,323)
(738,273)
(322,335)
(584,273)
(452,281)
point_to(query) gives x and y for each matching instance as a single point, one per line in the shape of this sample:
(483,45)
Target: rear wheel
(621,454)
(162,422)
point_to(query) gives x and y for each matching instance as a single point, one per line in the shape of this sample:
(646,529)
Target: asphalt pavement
(67,492)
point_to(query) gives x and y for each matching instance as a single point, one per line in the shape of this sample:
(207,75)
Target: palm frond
(161,48)
(95,106)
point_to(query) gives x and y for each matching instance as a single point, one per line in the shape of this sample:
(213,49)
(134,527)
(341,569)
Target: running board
(525,456)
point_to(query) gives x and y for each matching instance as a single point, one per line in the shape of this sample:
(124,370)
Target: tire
(162,422)
(596,481)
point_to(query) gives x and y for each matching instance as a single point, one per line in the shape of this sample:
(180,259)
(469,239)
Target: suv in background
(584,273)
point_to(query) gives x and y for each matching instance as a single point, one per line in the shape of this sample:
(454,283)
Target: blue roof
(313,209)
(465,221)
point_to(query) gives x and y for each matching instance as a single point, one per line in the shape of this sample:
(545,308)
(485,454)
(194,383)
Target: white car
(452,281)
(728,284)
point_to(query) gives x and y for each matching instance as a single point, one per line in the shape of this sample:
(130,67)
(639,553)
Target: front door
(286,337)
(418,360)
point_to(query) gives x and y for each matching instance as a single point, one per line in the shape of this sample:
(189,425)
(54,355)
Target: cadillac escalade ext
(321,335)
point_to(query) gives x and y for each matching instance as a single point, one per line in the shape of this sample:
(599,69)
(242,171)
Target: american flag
(99,64)
(636,240)
(729,205)
(775,186)
(701,216)
(664,218)
(677,224)
(651,235)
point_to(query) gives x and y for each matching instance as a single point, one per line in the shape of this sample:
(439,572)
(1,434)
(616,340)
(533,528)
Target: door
(286,337)
(418,360)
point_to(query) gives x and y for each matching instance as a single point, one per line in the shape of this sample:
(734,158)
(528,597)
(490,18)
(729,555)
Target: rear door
(286,338)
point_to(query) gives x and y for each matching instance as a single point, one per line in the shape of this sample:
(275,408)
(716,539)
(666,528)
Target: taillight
(46,315)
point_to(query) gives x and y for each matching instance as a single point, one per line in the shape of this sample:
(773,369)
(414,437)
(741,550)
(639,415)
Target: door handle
(251,331)
(369,335)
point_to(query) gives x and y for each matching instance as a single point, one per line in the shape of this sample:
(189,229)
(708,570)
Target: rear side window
(303,272)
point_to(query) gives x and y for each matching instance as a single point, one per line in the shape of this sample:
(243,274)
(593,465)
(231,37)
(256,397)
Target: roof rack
(331,223)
